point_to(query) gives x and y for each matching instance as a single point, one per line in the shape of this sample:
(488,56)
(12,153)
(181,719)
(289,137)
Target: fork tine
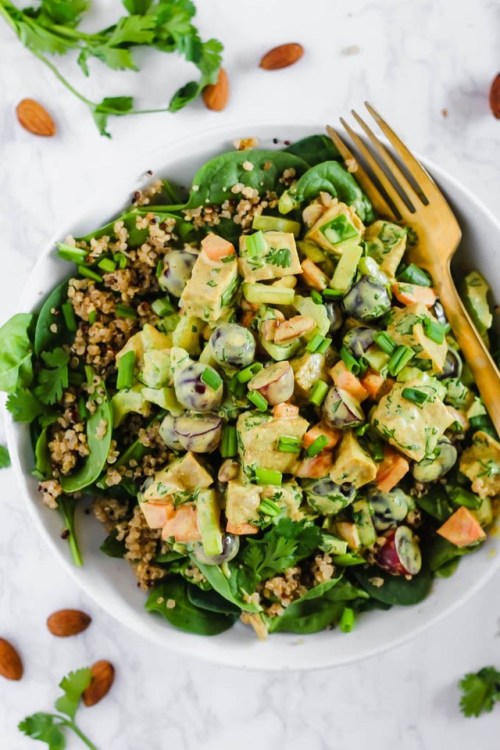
(405,187)
(379,203)
(377,171)
(417,171)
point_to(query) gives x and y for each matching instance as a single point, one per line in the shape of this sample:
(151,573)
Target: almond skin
(103,675)
(282,56)
(67,622)
(216,95)
(495,96)
(34,118)
(11,666)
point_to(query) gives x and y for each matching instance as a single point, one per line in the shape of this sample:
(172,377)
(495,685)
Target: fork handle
(478,358)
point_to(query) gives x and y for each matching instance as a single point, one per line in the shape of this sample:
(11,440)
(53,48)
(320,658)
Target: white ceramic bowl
(110,582)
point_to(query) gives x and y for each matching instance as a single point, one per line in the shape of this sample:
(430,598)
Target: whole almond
(103,675)
(34,118)
(11,666)
(216,95)
(282,56)
(67,622)
(495,96)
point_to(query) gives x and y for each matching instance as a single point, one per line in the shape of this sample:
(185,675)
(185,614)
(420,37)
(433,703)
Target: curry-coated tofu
(210,288)
(481,464)
(407,327)
(184,474)
(336,228)
(386,243)
(242,503)
(258,436)
(352,464)
(268,255)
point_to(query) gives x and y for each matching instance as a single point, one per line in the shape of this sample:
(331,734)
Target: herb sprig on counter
(480,691)
(164,25)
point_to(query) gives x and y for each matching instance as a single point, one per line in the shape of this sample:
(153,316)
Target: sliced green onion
(434,331)
(236,388)
(412,274)
(315,343)
(324,345)
(92,317)
(126,365)
(73,254)
(125,311)
(121,260)
(255,244)
(350,362)
(362,429)
(317,446)
(336,293)
(69,317)
(289,444)
(88,273)
(399,359)
(385,342)
(258,400)
(414,395)
(162,307)
(463,497)
(229,444)
(107,265)
(269,508)
(347,620)
(268,476)
(316,297)
(375,447)
(248,372)
(318,392)
(211,378)
(159,269)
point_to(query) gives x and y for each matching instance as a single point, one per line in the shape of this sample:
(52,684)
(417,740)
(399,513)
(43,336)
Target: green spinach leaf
(112,547)
(314,149)
(50,330)
(233,588)
(395,589)
(212,601)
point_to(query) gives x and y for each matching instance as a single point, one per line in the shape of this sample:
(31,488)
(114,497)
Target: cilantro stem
(80,734)
(64,80)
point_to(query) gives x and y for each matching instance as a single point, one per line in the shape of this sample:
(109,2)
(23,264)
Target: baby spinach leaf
(112,547)
(314,149)
(15,353)
(436,503)
(212,601)
(213,182)
(42,468)
(309,616)
(395,589)
(168,557)
(439,552)
(50,330)
(233,588)
(185,615)
(99,432)
(331,177)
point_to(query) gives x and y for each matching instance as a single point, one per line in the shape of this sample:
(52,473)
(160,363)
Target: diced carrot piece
(157,513)
(332,435)
(241,528)
(247,318)
(347,381)
(285,411)
(372,382)
(215,247)
(313,275)
(392,469)
(183,525)
(409,294)
(349,533)
(462,528)
(315,467)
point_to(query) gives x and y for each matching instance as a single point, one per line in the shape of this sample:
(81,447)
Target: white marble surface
(413,60)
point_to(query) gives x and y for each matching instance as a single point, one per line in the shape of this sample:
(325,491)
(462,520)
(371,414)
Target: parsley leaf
(280,548)
(45,728)
(53,381)
(24,406)
(73,686)
(281,257)
(15,353)
(480,691)
(64,12)
(4,457)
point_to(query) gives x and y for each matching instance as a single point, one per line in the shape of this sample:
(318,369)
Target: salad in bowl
(262,396)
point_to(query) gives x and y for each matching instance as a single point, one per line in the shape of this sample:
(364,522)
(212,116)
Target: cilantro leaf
(64,12)
(137,7)
(280,548)
(480,691)
(73,686)
(133,30)
(44,727)
(281,257)
(24,406)
(4,457)
(15,353)
(53,380)
(111,105)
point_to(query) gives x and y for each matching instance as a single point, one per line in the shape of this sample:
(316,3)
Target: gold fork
(412,197)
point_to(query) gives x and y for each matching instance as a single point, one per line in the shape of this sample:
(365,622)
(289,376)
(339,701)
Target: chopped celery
(311,251)
(261,294)
(345,271)
(276,224)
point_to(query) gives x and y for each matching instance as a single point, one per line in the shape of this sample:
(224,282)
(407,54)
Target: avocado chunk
(155,371)
(364,524)
(242,504)
(475,295)
(184,474)
(345,271)
(352,464)
(407,328)
(165,398)
(204,293)
(336,229)
(481,464)
(209,522)
(386,243)
(123,402)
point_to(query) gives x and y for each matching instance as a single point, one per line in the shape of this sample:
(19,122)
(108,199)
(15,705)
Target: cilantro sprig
(164,25)
(49,727)
(480,691)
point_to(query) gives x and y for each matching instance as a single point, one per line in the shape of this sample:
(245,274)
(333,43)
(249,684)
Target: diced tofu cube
(210,287)
(352,464)
(414,429)
(185,474)
(307,370)
(481,464)
(242,507)
(277,258)
(258,440)
(288,496)
(336,228)
(406,327)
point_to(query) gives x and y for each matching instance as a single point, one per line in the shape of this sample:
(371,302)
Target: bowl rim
(135,167)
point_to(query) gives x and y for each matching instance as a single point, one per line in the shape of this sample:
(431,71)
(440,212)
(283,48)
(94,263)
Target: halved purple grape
(199,433)
(341,410)
(168,434)
(230,548)
(233,345)
(275,383)
(400,554)
(192,389)
(359,340)
(177,269)
(367,300)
